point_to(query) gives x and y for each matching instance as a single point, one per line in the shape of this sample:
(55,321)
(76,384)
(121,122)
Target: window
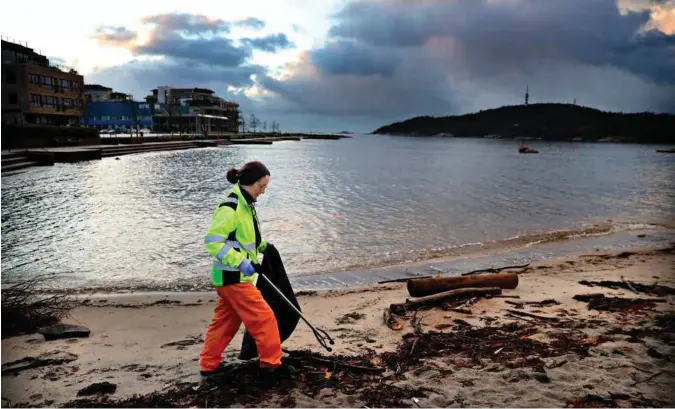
(13,98)
(143,106)
(48,82)
(78,103)
(34,79)
(65,84)
(49,101)
(68,102)
(36,100)
(105,118)
(9,77)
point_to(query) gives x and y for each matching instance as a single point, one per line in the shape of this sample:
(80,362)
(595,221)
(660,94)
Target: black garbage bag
(287,319)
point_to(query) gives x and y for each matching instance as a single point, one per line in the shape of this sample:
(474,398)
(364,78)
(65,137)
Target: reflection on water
(331,205)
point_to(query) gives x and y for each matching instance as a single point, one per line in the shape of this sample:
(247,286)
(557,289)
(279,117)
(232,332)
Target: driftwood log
(430,286)
(444,296)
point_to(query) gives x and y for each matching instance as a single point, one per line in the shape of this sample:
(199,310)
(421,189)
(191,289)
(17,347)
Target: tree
(242,122)
(254,122)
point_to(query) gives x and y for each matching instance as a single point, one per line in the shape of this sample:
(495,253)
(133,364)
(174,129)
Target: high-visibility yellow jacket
(233,236)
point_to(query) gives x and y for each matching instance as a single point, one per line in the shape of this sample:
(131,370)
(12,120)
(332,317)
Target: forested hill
(561,122)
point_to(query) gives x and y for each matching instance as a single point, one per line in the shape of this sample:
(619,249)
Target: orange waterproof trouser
(237,303)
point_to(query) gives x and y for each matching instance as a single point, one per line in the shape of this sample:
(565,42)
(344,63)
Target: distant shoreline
(547,122)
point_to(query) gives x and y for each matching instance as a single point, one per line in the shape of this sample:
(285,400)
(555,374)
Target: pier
(24,158)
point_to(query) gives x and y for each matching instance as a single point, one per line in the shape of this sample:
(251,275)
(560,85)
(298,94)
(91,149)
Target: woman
(233,240)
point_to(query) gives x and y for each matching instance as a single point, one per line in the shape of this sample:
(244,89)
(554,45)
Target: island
(552,122)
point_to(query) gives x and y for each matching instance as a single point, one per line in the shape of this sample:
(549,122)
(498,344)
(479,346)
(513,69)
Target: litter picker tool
(321,335)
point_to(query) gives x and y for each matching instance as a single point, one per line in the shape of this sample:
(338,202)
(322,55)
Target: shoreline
(149,343)
(556,244)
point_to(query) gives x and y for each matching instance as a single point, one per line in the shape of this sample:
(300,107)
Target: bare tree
(254,123)
(242,122)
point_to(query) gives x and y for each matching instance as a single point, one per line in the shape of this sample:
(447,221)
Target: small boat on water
(527,149)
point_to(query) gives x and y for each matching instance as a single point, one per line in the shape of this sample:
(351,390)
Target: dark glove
(258,268)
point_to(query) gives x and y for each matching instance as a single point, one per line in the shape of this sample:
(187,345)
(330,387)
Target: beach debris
(649,378)
(441,297)
(495,270)
(27,304)
(350,318)
(538,304)
(593,401)
(62,331)
(618,304)
(306,293)
(191,340)
(527,314)
(30,362)
(655,290)
(391,320)
(459,321)
(353,375)
(430,286)
(98,388)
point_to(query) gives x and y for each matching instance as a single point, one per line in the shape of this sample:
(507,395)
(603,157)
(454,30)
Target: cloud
(351,57)
(397,58)
(190,24)
(387,60)
(139,76)
(251,22)
(271,43)
(214,51)
(114,36)
(587,31)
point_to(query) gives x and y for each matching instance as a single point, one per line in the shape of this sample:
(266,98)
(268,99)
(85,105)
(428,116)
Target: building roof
(32,55)
(96,87)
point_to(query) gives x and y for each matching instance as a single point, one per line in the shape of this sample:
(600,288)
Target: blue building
(118,114)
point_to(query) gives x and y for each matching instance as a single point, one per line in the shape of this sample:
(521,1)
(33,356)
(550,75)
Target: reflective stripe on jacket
(231,238)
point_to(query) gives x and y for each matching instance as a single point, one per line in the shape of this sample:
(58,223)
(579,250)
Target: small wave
(524,240)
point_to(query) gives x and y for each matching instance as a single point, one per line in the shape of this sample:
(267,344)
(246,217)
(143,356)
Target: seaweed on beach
(600,302)
(509,345)
(240,387)
(656,290)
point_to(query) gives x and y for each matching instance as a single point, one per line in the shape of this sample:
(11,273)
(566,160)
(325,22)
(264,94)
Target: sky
(355,65)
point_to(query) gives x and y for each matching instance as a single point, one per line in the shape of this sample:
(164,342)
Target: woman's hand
(247,268)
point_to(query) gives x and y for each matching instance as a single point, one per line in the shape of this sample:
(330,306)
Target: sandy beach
(149,343)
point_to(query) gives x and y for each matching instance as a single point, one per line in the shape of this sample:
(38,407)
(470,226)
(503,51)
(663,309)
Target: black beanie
(248,174)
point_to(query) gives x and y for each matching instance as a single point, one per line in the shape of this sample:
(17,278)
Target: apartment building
(192,110)
(34,91)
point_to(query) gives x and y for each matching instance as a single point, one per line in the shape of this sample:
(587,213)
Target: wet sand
(150,342)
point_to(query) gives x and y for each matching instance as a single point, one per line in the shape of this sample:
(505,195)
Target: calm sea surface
(331,205)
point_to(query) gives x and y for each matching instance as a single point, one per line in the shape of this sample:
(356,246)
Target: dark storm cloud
(398,58)
(350,57)
(194,51)
(587,31)
(388,60)
(270,43)
(216,51)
